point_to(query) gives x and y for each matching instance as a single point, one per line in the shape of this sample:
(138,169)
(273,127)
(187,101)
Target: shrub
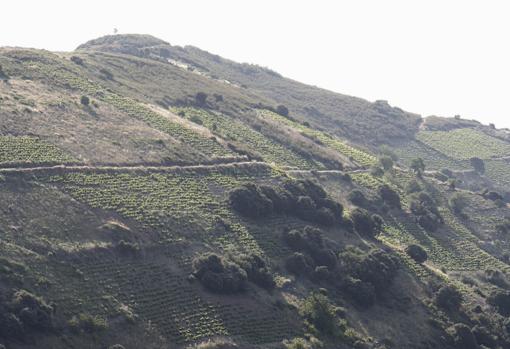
(321,273)
(386,162)
(448,298)
(358,198)
(87,323)
(463,337)
(389,196)
(116,346)
(201,99)
(77,60)
(483,337)
(501,301)
(457,203)
(85,100)
(413,187)
(249,201)
(478,165)
(363,223)
(418,166)
(218,97)
(321,314)
(298,264)
(256,270)
(304,199)
(282,110)
(32,310)
(219,275)
(425,210)
(417,253)
(363,293)
(10,326)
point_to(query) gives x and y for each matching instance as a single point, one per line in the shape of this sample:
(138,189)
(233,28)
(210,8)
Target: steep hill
(156,196)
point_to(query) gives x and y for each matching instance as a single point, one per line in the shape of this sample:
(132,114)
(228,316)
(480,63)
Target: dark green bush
(413,187)
(321,314)
(11,326)
(201,99)
(463,337)
(358,198)
(376,267)
(418,166)
(449,298)
(458,202)
(85,100)
(386,162)
(249,201)
(478,165)
(86,323)
(77,60)
(32,310)
(299,264)
(363,293)
(483,336)
(426,211)
(282,110)
(501,301)
(218,275)
(363,223)
(257,270)
(417,253)
(303,199)
(321,273)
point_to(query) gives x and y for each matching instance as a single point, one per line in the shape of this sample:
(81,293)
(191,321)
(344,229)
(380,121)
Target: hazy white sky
(441,57)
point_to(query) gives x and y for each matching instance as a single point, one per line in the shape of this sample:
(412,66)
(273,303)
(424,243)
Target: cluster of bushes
(302,198)
(321,316)
(23,313)
(312,256)
(389,196)
(457,203)
(220,275)
(367,274)
(425,210)
(366,224)
(86,323)
(448,298)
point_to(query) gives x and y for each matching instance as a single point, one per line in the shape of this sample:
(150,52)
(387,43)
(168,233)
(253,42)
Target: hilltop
(160,196)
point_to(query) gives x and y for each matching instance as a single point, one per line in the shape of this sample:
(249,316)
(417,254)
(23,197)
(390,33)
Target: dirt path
(134,167)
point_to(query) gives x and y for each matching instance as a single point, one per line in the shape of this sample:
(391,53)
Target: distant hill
(157,196)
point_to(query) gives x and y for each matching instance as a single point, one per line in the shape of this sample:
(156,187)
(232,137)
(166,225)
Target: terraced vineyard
(498,171)
(26,149)
(434,160)
(193,201)
(359,156)
(465,143)
(233,130)
(46,66)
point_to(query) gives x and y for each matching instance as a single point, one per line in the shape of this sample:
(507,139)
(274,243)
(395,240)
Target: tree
(389,196)
(85,100)
(386,162)
(457,202)
(201,98)
(478,165)
(282,110)
(363,223)
(417,253)
(418,166)
(449,298)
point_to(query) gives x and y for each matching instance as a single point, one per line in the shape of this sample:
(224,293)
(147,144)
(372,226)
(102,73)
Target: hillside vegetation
(156,196)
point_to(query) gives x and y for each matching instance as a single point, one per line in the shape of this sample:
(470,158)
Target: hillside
(156,196)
